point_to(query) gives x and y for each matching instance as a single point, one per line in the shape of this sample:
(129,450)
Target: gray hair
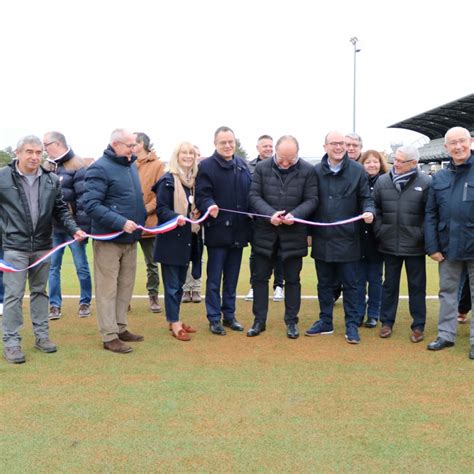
(288,138)
(57,137)
(410,151)
(456,129)
(354,136)
(28,140)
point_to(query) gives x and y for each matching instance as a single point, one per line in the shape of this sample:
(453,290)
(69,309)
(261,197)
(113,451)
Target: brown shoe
(116,345)
(196,297)
(127,336)
(417,335)
(385,332)
(181,335)
(186,297)
(462,318)
(154,305)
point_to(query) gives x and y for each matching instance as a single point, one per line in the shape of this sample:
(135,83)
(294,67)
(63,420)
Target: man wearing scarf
(400,197)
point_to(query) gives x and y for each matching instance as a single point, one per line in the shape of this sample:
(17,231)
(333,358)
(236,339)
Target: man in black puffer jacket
(400,197)
(114,202)
(71,170)
(30,198)
(283,187)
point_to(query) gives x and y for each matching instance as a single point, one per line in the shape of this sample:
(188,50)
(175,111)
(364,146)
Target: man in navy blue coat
(223,181)
(114,202)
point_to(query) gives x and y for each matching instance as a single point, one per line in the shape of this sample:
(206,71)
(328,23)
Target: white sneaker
(1,309)
(278,294)
(249,296)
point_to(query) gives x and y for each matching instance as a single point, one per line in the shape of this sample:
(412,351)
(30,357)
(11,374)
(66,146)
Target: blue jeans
(223,268)
(369,284)
(2,290)
(173,277)
(328,274)
(78,250)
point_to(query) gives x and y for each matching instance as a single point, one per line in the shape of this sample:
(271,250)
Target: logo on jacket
(418,188)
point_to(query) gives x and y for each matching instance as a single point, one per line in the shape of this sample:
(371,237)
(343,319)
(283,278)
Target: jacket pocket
(468,192)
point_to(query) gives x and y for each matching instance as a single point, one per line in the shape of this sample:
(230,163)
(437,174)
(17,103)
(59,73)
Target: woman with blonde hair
(173,250)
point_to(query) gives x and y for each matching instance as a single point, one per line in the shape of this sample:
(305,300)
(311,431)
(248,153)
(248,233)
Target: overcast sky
(178,69)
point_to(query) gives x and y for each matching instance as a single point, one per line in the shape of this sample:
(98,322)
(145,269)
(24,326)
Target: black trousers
(263,267)
(416,275)
(465,297)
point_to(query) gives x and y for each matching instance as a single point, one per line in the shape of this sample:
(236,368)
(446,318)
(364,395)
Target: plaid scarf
(400,180)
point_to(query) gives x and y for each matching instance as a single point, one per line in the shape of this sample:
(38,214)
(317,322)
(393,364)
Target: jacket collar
(227,164)
(465,166)
(109,152)
(327,169)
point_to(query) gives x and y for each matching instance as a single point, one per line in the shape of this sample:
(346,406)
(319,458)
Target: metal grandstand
(436,122)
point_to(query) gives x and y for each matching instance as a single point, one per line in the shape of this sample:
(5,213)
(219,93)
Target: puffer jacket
(113,195)
(449,221)
(296,192)
(71,170)
(342,195)
(400,216)
(16,223)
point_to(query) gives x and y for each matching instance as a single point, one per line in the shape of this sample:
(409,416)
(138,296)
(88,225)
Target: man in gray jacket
(30,197)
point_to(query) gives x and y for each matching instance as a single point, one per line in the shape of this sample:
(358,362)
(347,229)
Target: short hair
(28,140)
(354,136)
(145,139)
(331,132)
(410,151)
(222,129)
(174,166)
(288,138)
(264,137)
(457,129)
(117,135)
(57,137)
(383,164)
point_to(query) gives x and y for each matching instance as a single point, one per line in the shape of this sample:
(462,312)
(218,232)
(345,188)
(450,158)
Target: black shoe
(233,324)
(292,331)
(216,328)
(371,323)
(471,352)
(439,343)
(256,329)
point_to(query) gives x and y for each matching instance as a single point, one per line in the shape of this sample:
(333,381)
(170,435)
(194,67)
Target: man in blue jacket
(223,181)
(343,193)
(449,232)
(114,201)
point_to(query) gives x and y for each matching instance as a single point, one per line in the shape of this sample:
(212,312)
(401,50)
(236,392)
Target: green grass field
(234,404)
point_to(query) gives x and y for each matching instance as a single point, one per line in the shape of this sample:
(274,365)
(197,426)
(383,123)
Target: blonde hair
(174,167)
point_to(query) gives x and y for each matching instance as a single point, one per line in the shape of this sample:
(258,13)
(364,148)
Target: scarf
(400,180)
(180,201)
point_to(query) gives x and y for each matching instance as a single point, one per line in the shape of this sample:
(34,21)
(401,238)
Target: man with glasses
(114,202)
(343,193)
(265,151)
(283,187)
(30,197)
(450,232)
(353,146)
(71,170)
(400,198)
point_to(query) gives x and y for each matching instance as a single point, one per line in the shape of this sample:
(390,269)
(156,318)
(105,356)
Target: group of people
(360,220)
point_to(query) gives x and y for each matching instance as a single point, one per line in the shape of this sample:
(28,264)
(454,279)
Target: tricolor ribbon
(162,229)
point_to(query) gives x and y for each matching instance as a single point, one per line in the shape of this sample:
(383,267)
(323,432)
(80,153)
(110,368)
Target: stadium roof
(436,122)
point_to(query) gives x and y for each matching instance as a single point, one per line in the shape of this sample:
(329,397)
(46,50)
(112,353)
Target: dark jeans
(263,269)
(329,273)
(174,277)
(223,268)
(277,268)
(464,296)
(416,275)
(369,285)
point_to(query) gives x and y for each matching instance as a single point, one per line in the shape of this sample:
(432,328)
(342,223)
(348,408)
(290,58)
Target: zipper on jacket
(464,194)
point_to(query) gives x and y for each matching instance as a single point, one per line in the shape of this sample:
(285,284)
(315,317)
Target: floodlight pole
(354,41)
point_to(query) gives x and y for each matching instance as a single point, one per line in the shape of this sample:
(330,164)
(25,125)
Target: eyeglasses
(461,141)
(396,160)
(286,160)
(46,145)
(336,143)
(352,145)
(130,146)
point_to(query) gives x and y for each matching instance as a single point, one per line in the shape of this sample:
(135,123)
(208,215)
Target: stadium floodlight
(354,41)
